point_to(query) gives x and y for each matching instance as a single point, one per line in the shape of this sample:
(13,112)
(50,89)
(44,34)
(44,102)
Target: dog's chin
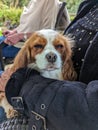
(49,67)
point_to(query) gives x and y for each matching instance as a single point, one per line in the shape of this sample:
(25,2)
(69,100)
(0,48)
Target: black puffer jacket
(52,104)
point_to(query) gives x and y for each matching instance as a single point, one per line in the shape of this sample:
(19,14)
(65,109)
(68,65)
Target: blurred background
(10,11)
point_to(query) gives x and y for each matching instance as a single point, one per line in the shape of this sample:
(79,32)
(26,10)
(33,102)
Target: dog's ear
(22,59)
(68,69)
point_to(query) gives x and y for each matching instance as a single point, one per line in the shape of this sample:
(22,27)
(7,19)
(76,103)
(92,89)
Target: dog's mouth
(50,67)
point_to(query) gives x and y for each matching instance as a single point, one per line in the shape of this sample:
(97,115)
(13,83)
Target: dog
(48,52)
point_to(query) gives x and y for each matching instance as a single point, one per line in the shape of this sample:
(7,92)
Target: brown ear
(22,59)
(68,69)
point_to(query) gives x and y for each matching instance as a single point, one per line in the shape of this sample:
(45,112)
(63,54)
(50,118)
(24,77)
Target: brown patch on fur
(27,54)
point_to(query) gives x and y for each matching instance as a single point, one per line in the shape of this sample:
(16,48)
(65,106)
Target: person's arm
(15,38)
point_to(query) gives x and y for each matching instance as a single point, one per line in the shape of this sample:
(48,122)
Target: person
(84,30)
(37,15)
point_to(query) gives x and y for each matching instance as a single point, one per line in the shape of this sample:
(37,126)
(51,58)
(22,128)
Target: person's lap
(8,51)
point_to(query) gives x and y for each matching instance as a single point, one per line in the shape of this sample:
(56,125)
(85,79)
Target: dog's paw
(11,113)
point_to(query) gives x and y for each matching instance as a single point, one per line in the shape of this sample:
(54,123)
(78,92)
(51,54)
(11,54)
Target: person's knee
(10,51)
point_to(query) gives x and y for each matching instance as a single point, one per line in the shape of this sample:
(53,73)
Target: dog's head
(47,50)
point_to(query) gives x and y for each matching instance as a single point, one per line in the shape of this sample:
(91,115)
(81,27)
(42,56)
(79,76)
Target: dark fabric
(56,105)
(89,69)
(83,30)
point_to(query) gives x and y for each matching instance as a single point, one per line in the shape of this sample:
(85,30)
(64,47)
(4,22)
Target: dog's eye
(38,46)
(59,46)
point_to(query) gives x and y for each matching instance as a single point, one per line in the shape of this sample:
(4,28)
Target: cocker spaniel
(48,52)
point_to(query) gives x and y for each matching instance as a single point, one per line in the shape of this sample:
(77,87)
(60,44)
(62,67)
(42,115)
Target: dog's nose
(51,57)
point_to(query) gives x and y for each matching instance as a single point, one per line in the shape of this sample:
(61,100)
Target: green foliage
(72,16)
(15,3)
(5,2)
(73,5)
(3,6)
(12,15)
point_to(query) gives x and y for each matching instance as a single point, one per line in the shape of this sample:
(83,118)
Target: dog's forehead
(48,34)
